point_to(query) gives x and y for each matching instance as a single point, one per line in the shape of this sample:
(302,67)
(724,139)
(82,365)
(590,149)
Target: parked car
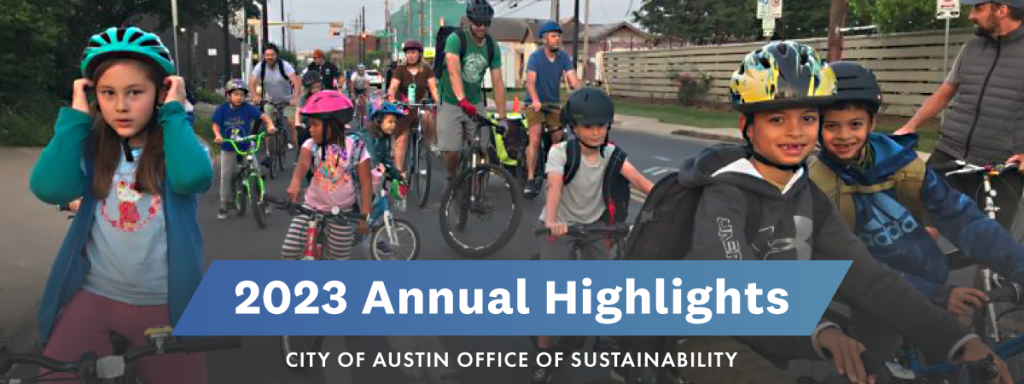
(375,78)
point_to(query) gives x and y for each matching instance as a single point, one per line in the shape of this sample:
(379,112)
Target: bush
(204,129)
(28,123)
(692,87)
(210,97)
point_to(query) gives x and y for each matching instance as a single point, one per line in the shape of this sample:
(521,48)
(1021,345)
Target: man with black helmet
(985,95)
(462,85)
(578,172)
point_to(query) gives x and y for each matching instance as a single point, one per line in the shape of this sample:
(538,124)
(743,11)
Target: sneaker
(222,214)
(530,188)
(434,150)
(385,250)
(540,375)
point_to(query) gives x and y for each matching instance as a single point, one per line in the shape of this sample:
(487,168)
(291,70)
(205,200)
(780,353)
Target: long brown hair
(107,146)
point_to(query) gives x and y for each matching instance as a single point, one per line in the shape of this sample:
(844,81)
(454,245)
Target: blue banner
(509,298)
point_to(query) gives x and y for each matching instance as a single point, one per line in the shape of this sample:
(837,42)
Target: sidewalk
(731,135)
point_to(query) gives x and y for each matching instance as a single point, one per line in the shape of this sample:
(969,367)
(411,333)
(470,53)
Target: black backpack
(614,187)
(439,58)
(263,75)
(663,230)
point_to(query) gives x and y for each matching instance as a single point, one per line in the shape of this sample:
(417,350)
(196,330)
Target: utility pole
(836,21)
(408,21)
(554,11)
(362,37)
(576,35)
(226,21)
(266,28)
(586,40)
(283,26)
(423,25)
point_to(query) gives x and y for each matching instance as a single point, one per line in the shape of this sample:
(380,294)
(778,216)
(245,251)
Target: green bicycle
(247,183)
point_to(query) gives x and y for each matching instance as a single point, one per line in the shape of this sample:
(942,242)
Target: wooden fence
(908,66)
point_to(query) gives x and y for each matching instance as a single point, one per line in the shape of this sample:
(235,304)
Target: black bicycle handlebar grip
(275,200)
(1009,294)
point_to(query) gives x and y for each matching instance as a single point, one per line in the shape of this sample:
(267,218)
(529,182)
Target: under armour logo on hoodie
(725,235)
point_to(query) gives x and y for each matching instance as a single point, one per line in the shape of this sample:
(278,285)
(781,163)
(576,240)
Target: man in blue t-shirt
(233,120)
(544,73)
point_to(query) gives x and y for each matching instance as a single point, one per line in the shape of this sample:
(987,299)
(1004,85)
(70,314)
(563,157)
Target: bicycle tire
(241,196)
(515,195)
(270,157)
(398,225)
(423,174)
(290,344)
(259,211)
(282,150)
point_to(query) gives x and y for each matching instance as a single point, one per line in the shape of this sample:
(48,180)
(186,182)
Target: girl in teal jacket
(133,256)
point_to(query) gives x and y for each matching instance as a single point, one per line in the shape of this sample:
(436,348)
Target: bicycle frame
(987,172)
(251,165)
(1005,349)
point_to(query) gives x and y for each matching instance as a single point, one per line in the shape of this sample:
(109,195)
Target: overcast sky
(346,11)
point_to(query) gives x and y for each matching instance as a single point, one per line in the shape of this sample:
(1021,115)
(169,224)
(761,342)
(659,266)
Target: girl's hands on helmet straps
(80,99)
(175,89)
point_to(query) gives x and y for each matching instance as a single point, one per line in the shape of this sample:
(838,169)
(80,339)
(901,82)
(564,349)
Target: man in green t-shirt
(462,85)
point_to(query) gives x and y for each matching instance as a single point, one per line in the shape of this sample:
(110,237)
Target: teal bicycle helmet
(128,42)
(386,109)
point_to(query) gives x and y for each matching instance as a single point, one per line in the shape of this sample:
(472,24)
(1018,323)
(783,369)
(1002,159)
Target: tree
(902,15)
(32,31)
(699,21)
(716,21)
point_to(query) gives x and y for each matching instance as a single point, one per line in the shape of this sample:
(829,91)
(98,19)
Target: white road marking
(662,158)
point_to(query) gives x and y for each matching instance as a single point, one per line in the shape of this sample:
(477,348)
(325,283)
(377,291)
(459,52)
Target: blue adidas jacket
(896,239)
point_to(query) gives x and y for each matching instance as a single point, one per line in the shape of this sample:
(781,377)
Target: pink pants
(85,324)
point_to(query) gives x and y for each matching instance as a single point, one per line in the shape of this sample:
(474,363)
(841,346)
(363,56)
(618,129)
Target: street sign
(768,25)
(237,26)
(947,9)
(776,9)
(235,59)
(769,8)
(212,52)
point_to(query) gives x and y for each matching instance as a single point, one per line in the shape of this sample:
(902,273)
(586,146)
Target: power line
(521,7)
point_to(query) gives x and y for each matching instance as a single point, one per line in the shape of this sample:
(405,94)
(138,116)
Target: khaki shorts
(553,119)
(453,125)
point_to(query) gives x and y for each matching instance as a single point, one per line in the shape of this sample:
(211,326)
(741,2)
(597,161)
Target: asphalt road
(260,360)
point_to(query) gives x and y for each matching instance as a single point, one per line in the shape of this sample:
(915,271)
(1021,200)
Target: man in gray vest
(985,121)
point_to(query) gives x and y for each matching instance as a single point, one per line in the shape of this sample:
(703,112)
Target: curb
(708,136)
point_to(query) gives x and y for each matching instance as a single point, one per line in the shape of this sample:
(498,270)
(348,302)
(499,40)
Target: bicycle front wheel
(241,195)
(282,150)
(489,196)
(259,211)
(421,179)
(271,150)
(299,345)
(402,242)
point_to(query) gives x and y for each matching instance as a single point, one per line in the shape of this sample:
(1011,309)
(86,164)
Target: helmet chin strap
(127,150)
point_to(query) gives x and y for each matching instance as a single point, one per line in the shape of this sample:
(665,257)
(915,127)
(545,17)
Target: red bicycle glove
(467,107)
